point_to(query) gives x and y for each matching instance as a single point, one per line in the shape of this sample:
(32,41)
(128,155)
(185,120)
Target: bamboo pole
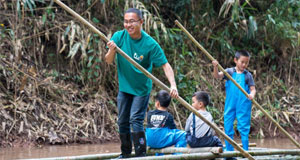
(154,79)
(170,150)
(249,145)
(198,156)
(227,75)
(295,152)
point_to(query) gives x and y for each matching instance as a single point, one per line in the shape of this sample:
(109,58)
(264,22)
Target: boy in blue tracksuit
(237,105)
(198,133)
(161,130)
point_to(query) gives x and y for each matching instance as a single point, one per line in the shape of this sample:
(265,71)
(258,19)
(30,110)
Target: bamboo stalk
(249,145)
(154,79)
(182,156)
(198,156)
(169,150)
(227,75)
(177,115)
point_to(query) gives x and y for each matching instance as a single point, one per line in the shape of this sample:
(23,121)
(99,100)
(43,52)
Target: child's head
(163,98)
(200,100)
(241,60)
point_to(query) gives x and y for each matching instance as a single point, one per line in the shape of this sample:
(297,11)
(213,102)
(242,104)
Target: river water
(74,150)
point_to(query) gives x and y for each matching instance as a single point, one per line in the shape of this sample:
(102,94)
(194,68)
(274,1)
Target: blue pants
(132,110)
(205,141)
(165,137)
(237,106)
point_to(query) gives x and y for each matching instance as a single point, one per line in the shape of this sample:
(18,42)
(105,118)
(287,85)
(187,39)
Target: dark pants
(205,141)
(132,111)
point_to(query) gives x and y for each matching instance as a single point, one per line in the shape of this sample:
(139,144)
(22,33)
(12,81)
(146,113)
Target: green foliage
(270,30)
(283,18)
(2,31)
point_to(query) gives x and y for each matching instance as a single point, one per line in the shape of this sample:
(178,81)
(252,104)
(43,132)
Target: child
(237,105)
(199,134)
(161,130)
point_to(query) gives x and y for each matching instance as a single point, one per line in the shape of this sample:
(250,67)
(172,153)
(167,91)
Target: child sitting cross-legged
(199,134)
(161,130)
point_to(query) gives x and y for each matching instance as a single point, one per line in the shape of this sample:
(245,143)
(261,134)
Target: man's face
(133,24)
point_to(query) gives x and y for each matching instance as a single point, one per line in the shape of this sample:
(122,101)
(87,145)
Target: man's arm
(170,75)
(217,74)
(110,55)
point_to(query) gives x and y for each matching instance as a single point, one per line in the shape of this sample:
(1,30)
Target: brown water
(74,150)
(57,151)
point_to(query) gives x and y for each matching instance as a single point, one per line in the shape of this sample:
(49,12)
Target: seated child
(161,130)
(198,133)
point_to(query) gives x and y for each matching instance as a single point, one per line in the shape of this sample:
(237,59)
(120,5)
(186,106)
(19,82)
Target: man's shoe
(123,156)
(126,145)
(139,141)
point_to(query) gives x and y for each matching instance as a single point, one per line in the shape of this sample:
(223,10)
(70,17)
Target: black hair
(202,96)
(164,98)
(240,53)
(136,11)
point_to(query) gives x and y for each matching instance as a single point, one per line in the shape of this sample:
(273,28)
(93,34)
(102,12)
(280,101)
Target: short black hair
(136,11)
(202,96)
(164,98)
(240,53)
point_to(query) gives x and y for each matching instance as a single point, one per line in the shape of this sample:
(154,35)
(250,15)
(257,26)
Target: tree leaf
(44,18)
(95,20)
(18,8)
(74,50)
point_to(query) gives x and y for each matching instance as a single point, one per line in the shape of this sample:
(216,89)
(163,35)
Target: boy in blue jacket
(237,105)
(161,130)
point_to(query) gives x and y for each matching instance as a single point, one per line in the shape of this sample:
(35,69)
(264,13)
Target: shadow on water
(75,150)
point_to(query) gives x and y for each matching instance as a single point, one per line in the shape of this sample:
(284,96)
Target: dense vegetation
(56,88)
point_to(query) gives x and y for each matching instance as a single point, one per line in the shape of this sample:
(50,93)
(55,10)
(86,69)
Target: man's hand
(110,55)
(174,92)
(111,45)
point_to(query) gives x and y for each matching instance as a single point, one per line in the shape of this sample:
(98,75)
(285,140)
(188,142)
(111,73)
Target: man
(134,86)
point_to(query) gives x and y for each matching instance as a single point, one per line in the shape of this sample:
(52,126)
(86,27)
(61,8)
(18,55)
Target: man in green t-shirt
(134,86)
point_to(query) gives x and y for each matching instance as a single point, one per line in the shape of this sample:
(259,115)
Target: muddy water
(73,150)
(57,151)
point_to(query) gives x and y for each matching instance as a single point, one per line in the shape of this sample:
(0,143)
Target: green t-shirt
(146,52)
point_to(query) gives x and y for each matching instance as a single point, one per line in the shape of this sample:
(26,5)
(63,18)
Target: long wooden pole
(170,150)
(207,155)
(154,79)
(227,75)
(201,155)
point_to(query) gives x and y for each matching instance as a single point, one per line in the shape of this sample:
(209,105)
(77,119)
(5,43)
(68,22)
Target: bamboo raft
(192,153)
